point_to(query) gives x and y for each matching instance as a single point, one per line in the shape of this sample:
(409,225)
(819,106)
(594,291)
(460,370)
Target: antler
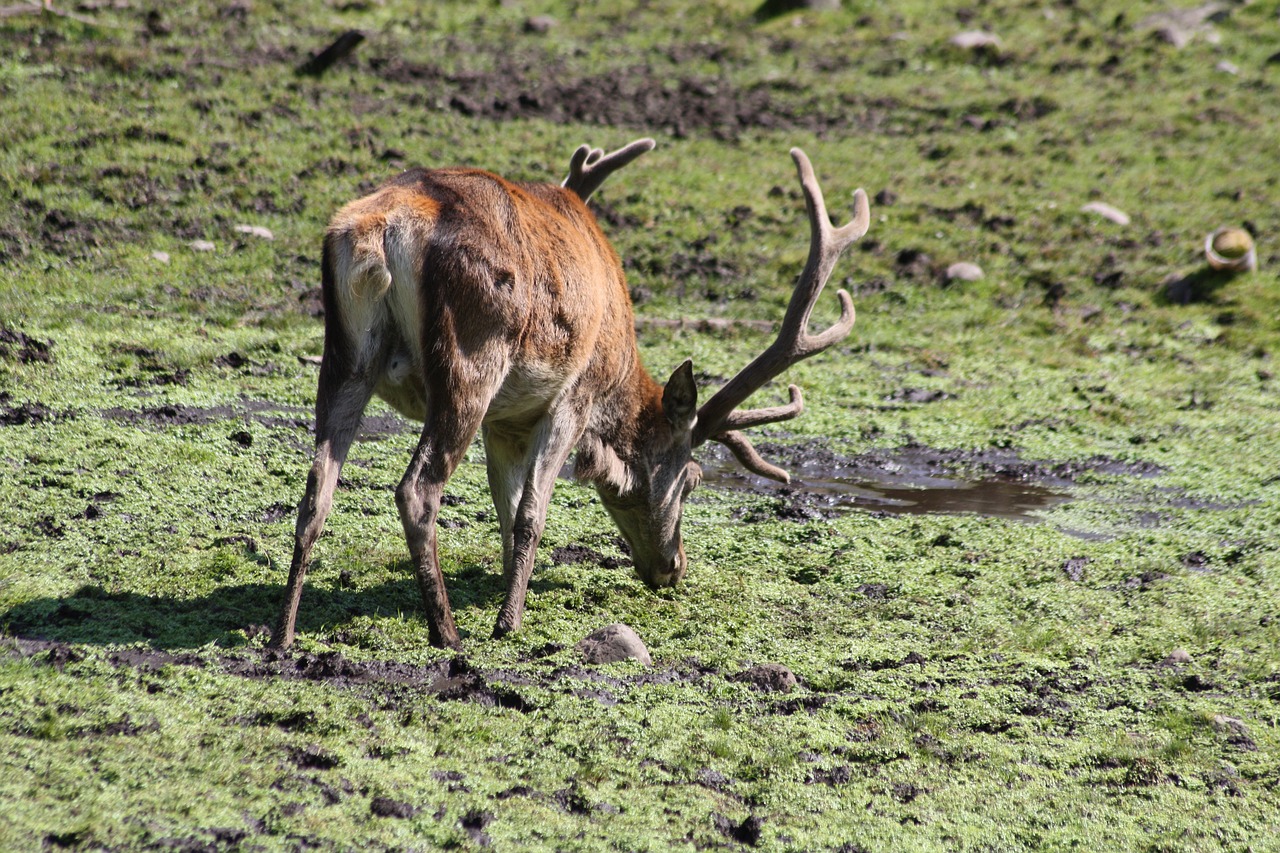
(718,419)
(589,167)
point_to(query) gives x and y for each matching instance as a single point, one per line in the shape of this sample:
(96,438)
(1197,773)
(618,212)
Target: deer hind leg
(549,447)
(340,402)
(449,429)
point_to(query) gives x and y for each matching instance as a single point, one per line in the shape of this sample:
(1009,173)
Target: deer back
(464,281)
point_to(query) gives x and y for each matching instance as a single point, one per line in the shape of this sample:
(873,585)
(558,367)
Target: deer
(474,304)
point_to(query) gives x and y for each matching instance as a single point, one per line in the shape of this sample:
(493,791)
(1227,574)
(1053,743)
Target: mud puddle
(897,488)
(912,480)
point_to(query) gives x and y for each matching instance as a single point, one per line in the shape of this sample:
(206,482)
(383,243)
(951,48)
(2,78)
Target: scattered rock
(1179,26)
(1177,657)
(1228,67)
(1106,211)
(1223,723)
(613,643)
(1237,732)
(202,246)
(975,40)
(162,257)
(963,271)
(256,231)
(769,677)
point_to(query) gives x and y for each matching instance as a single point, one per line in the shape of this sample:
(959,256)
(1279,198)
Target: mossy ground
(968,683)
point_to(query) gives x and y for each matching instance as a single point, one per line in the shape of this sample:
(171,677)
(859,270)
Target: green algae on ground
(1107,678)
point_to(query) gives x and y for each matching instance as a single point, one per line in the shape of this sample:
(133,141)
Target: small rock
(1106,211)
(162,257)
(1177,657)
(1223,723)
(963,271)
(539,24)
(769,677)
(1178,27)
(256,231)
(202,245)
(613,643)
(975,40)
(1228,67)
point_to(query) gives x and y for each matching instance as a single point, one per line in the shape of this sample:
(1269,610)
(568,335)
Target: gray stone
(976,40)
(964,271)
(613,643)
(256,231)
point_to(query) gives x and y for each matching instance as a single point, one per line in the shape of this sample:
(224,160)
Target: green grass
(960,688)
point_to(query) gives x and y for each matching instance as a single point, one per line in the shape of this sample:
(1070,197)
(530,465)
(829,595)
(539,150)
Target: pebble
(256,231)
(202,245)
(975,40)
(1177,657)
(162,257)
(1223,723)
(964,271)
(1106,211)
(613,643)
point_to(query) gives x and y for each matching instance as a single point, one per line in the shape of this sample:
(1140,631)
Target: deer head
(645,496)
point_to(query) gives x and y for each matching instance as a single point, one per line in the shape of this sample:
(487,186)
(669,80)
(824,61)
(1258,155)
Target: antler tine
(717,419)
(590,167)
(746,454)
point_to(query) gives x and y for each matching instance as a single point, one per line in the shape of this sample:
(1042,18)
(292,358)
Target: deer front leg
(549,447)
(445,437)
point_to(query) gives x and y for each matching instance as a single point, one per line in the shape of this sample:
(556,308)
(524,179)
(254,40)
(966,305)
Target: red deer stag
(473,303)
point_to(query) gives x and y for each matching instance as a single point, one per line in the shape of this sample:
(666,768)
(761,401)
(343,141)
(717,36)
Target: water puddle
(898,484)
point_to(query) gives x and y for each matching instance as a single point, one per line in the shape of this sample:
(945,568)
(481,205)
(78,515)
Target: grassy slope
(1038,715)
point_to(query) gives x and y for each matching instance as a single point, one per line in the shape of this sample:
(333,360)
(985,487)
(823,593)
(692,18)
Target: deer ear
(680,398)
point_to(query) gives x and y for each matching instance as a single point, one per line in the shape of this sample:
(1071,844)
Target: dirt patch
(655,96)
(18,346)
(576,553)
(20,414)
(266,413)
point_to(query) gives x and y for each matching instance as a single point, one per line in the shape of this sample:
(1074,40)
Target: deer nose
(671,573)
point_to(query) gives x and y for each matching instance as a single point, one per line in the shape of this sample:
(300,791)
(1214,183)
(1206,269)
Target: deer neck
(623,423)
